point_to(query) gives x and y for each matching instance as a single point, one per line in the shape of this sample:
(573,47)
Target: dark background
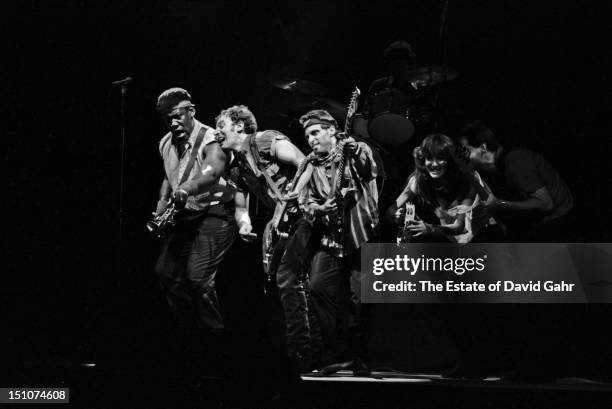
(539,73)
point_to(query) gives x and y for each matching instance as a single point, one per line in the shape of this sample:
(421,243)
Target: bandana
(167,109)
(318,121)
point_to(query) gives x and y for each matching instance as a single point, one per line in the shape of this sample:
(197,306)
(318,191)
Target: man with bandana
(353,208)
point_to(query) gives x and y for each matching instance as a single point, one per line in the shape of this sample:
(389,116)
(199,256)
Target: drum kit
(392,114)
(389,126)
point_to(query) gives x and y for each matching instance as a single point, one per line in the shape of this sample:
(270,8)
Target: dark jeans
(290,279)
(187,267)
(335,294)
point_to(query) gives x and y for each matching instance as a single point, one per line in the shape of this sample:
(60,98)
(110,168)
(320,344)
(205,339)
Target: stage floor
(437,380)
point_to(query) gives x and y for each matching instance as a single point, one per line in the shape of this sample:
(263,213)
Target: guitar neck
(338,174)
(281,206)
(278,213)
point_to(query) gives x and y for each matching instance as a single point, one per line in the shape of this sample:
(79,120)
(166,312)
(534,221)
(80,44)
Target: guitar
(403,234)
(334,237)
(274,231)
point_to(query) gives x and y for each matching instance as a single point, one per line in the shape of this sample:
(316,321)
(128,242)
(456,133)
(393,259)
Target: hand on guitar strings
(329,207)
(291,194)
(400,214)
(419,228)
(351,147)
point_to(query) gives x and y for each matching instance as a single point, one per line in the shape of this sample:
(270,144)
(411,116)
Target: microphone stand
(122,168)
(121,174)
(123,124)
(86,348)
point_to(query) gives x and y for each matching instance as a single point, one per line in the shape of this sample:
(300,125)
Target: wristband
(244,219)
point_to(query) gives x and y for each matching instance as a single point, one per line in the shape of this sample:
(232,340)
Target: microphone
(123,82)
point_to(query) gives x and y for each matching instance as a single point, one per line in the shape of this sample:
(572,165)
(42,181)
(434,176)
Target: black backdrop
(538,72)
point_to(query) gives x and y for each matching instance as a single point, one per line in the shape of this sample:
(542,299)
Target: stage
(142,385)
(82,306)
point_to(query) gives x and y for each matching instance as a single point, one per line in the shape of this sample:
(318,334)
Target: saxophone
(162,223)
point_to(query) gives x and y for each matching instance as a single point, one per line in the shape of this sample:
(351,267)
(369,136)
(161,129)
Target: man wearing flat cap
(341,201)
(205,226)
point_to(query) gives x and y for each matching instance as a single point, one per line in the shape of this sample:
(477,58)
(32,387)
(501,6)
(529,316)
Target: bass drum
(390,122)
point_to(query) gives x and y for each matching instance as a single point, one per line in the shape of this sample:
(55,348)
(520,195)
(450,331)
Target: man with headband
(205,226)
(353,210)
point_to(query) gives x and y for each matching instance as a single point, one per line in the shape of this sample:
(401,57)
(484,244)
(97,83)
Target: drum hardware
(393,113)
(433,75)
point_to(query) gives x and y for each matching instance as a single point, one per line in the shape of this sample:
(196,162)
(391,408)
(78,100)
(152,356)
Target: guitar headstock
(352,109)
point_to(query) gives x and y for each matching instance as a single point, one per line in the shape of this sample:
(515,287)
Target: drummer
(401,62)
(393,134)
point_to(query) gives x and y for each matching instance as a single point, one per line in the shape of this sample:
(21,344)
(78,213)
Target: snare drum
(390,122)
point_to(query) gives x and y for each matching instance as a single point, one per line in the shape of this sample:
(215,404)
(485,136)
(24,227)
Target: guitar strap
(194,154)
(259,164)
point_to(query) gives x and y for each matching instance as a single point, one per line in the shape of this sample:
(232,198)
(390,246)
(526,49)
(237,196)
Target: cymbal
(427,76)
(300,86)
